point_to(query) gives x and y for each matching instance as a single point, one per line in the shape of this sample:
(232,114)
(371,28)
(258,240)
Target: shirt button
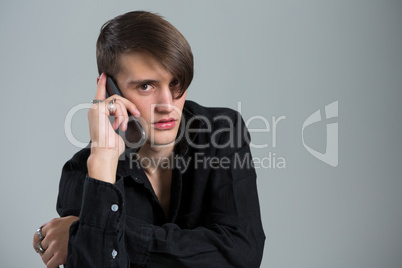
(115,207)
(114,254)
(137,180)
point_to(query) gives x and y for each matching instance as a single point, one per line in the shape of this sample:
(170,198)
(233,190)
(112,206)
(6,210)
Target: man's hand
(106,144)
(55,241)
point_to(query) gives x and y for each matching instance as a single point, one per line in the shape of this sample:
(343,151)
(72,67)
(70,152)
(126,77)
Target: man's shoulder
(224,126)
(79,160)
(211,113)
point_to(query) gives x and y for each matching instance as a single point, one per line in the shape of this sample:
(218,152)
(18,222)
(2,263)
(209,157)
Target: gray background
(277,58)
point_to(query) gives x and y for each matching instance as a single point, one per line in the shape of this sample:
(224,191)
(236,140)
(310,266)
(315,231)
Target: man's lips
(166,123)
(164,120)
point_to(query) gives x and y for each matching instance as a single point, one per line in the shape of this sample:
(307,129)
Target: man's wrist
(102,165)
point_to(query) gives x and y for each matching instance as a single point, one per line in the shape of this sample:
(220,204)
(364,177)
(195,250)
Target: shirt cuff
(140,236)
(102,205)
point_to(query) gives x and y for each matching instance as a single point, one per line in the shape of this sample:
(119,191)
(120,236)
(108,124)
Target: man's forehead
(138,66)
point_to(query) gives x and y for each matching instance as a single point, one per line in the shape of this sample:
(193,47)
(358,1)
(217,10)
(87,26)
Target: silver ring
(39,248)
(39,232)
(111,105)
(95,101)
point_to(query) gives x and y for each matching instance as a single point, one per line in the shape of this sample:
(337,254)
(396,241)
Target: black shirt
(214,217)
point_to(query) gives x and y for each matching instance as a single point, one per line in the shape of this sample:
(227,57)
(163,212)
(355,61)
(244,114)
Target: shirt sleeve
(97,238)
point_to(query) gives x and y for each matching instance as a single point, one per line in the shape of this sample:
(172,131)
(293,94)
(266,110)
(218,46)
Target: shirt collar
(188,121)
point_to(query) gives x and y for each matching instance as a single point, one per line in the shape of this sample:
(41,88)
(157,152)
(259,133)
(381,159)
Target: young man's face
(143,81)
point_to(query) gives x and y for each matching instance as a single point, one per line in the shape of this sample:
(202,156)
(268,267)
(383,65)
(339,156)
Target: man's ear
(97,79)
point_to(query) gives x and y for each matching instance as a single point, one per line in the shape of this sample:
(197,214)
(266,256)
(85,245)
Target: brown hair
(141,31)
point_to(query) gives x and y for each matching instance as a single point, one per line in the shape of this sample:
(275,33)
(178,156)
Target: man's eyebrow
(141,82)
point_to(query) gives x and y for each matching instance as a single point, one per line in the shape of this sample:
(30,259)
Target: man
(188,198)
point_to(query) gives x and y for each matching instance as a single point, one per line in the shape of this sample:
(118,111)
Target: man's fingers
(35,240)
(121,116)
(44,230)
(47,256)
(55,261)
(36,237)
(55,241)
(101,89)
(131,107)
(126,104)
(101,95)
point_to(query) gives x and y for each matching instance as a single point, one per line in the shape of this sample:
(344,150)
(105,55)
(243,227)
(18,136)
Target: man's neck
(156,158)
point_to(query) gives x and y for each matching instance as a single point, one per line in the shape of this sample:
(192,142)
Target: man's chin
(162,139)
(161,143)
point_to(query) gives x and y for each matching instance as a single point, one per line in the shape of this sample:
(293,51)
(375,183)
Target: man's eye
(145,87)
(174,83)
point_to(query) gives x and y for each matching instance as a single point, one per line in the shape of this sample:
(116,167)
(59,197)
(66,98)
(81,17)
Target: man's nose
(165,101)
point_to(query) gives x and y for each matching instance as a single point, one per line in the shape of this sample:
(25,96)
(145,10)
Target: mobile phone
(134,137)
